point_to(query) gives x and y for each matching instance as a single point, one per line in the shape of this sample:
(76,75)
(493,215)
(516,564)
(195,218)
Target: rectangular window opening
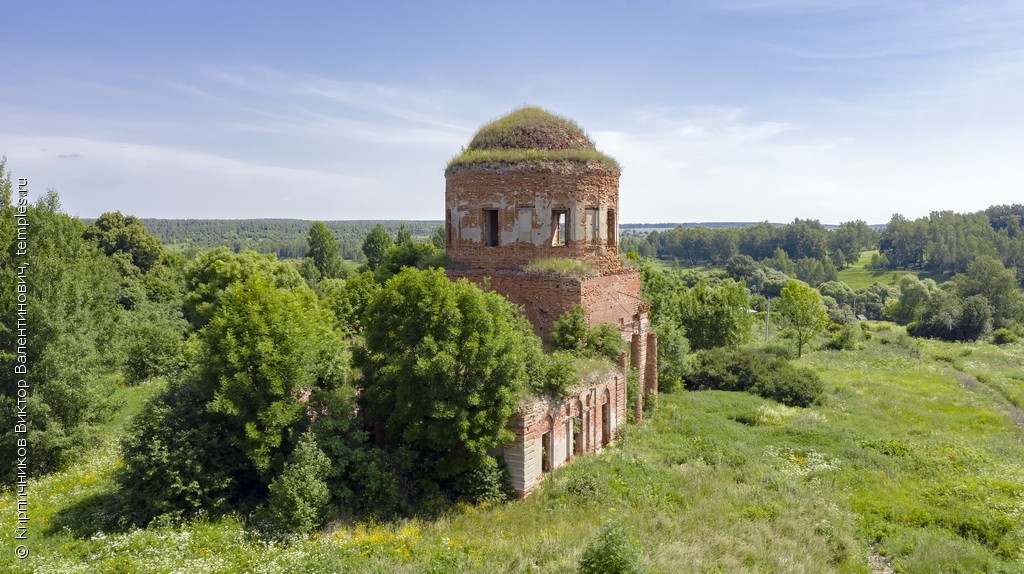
(559,227)
(568,440)
(612,228)
(545,452)
(491,227)
(577,435)
(606,424)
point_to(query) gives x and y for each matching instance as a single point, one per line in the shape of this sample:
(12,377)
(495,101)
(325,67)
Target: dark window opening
(559,227)
(491,227)
(611,228)
(606,424)
(545,452)
(577,435)
(568,440)
(448,228)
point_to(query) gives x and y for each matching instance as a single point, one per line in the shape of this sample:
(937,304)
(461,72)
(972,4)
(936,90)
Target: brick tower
(529,196)
(531,212)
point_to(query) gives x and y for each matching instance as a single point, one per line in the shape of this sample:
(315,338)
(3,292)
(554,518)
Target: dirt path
(1011,410)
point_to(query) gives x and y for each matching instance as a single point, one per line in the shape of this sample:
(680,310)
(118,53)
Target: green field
(857,275)
(914,461)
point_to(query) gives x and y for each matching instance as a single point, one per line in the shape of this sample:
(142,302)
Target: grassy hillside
(857,275)
(913,463)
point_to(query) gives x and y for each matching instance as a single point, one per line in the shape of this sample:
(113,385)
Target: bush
(154,343)
(1004,336)
(487,481)
(299,494)
(569,332)
(755,372)
(605,341)
(611,553)
(845,338)
(176,463)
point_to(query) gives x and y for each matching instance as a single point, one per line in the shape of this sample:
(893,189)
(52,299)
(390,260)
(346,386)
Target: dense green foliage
(71,346)
(443,366)
(803,242)
(755,372)
(803,312)
(375,246)
(947,242)
(324,251)
(571,332)
(208,276)
(267,358)
(286,238)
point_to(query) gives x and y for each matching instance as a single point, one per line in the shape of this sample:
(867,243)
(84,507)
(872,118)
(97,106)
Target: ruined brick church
(531,186)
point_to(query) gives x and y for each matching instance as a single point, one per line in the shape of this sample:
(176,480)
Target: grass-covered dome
(531,135)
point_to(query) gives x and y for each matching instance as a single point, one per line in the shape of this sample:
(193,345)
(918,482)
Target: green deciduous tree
(802,310)
(443,366)
(263,349)
(376,245)
(715,316)
(72,319)
(115,232)
(208,276)
(986,276)
(299,495)
(324,250)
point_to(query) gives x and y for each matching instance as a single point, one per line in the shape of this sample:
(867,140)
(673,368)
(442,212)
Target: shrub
(605,340)
(611,553)
(487,481)
(569,332)
(755,372)
(1004,336)
(153,343)
(299,494)
(845,338)
(776,349)
(176,463)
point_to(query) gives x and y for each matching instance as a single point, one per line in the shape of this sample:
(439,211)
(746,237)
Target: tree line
(798,243)
(284,237)
(947,242)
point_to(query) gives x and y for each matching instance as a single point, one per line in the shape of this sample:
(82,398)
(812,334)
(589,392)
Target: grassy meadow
(858,275)
(914,462)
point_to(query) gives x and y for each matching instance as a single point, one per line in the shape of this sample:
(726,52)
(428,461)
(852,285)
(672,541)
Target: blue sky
(738,110)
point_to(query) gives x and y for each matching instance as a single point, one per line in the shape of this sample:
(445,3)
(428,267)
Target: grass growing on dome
(499,157)
(531,135)
(561,267)
(531,128)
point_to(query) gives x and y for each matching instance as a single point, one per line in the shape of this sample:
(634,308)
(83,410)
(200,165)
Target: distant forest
(287,238)
(944,242)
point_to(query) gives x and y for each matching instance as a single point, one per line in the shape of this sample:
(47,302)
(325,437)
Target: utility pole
(767,318)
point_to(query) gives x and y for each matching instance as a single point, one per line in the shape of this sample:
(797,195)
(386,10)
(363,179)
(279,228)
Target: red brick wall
(469,191)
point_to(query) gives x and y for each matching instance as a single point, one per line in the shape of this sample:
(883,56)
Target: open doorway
(491,227)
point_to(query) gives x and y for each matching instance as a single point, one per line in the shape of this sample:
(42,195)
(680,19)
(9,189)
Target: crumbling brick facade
(500,218)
